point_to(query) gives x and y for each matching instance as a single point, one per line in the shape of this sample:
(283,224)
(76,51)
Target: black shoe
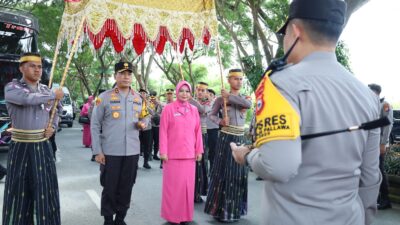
(108,220)
(119,222)
(93,158)
(156,158)
(161,166)
(184,223)
(171,223)
(384,205)
(141,154)
(259,178)
(2,175)
(146,165)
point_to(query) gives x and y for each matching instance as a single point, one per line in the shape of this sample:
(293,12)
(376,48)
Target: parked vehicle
(67,114)
(18,34)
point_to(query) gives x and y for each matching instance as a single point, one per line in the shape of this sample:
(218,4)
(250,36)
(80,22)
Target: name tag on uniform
(113,102)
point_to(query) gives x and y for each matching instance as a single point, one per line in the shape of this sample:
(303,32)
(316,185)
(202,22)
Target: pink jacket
(180,130)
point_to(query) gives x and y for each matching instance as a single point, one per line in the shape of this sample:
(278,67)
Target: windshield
(15,39)
(66,100)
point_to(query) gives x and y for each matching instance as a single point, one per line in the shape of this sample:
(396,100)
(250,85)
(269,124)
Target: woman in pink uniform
(86,138)
(180,146)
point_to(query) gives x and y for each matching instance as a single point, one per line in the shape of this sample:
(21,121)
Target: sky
(374,44)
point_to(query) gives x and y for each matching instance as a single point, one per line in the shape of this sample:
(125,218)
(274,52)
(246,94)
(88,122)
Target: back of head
(322,20)
(376,88)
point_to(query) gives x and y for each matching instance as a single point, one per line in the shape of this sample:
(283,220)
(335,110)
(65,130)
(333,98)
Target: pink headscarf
(183,107)
(90,99)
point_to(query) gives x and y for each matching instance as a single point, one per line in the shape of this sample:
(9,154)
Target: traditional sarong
(227,193)
(201,184)
(31,190)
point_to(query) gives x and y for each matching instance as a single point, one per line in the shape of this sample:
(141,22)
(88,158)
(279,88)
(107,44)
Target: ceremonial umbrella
(136,24)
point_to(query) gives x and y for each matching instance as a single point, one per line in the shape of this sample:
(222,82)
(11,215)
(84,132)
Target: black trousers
(384,188)
(3,171)
(156,143)
(146,139)
(52,141)
(212,144)
(117,177)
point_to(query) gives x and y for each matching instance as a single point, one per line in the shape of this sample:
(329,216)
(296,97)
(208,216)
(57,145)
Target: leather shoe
(146,165)
(156,158)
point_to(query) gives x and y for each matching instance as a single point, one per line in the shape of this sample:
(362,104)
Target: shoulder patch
(98,101)
(386,107)
(276,119)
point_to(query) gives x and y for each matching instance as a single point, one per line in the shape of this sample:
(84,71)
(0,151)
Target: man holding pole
(31,190)
(227,194)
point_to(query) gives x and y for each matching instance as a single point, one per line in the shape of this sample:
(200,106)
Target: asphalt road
(80,190)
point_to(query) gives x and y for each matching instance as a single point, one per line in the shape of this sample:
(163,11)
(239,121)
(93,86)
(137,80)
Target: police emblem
(126,65)
(115,115)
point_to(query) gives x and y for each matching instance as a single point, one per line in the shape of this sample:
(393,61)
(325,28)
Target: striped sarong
(31,190)
(227,192)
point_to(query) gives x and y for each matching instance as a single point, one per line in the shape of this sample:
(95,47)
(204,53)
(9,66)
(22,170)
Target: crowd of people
(199,139)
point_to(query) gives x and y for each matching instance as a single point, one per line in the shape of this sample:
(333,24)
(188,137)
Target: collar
(328,56)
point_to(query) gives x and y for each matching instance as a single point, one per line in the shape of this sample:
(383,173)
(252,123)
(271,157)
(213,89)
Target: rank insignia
(98,101)
(115,115)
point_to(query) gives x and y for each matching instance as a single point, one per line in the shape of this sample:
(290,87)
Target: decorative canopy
(141,22)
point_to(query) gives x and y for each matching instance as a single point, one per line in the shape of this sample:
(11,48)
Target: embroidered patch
(98,101)
(276,119)
(116,115)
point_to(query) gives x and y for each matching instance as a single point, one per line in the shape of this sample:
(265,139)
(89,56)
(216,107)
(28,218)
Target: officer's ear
(296,29)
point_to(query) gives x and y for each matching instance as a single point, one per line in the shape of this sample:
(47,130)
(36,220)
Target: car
(394,137)
(67,114)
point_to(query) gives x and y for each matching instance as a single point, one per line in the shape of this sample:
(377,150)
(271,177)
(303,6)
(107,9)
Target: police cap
(142,90)
(375,87)
(323,10)
(122,66)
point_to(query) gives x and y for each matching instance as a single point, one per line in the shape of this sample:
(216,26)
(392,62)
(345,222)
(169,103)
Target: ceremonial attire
(227,193)
(31,190)
(327,180)
(201,184)
(181,141)
(116,115)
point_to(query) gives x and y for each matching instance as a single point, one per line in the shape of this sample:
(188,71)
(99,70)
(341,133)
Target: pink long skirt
(177,203)
(86,138)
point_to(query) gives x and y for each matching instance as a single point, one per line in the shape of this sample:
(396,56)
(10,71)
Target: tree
(250,25)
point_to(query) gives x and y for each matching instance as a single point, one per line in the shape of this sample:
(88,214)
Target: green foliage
(392,161)
(343,55)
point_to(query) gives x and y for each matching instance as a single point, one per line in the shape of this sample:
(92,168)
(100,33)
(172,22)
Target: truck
(19,32)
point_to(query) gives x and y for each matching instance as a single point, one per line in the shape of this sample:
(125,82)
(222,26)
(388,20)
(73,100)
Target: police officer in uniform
(119,114)
(145,135)
(386,111)
(201,182)
(31,190)
(326,180)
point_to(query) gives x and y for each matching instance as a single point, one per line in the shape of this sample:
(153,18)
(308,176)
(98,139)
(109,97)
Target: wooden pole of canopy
(71,55)
(56,52)
(222,76)
(180,69)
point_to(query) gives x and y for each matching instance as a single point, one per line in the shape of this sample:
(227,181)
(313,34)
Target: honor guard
(326,180)
(31,189)
(227,194)
(385,111)
(118,116)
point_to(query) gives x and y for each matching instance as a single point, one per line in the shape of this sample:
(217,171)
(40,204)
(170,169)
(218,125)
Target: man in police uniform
(31,190)
(156,108)
(386,111)
(201,182)
(327,180)
(212,128)
(145,135)
(169,95)
(119,115)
